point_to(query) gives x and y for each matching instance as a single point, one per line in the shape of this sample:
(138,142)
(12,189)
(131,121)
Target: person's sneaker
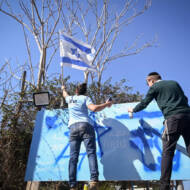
(93,185)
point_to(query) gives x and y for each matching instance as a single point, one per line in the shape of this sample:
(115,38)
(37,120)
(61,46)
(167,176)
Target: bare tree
(101,25)
(40,19)
(95,21)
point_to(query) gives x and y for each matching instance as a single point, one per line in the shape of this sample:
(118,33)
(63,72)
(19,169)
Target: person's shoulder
(165,82)
(82,97)
(170,82)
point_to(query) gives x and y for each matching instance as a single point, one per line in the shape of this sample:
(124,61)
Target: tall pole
(179,185)
(19,105)
(62,82)
(61,73)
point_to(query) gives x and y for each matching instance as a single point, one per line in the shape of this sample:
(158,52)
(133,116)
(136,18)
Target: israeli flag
(76,54)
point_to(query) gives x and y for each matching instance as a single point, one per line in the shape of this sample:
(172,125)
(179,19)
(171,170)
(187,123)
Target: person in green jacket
(174,105)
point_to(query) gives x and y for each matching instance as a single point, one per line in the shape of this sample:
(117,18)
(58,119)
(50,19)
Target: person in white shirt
(81,130)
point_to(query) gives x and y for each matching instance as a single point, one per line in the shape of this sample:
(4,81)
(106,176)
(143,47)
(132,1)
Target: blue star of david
(75,52)
(83,154)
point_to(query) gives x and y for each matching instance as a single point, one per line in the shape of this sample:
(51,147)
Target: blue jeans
(79,132)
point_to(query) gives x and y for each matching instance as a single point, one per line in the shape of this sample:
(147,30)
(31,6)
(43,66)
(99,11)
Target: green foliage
(120,92)
(15,138)
(16,128)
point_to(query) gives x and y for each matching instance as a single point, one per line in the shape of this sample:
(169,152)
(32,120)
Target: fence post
(32,185)
(179,185)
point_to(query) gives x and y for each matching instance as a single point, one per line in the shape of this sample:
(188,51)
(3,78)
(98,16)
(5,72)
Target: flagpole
(62,83)
(61,64)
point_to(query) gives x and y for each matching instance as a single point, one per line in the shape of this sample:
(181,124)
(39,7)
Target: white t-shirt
(78,110)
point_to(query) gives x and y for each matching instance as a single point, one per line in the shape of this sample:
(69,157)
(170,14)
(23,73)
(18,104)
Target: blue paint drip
(96,127)
(61,154)
(176,161)
(50,122)
(81,161)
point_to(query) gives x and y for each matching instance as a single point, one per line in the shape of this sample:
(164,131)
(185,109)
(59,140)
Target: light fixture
(41,99)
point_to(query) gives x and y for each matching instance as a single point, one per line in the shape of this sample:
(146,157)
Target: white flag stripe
(79,68)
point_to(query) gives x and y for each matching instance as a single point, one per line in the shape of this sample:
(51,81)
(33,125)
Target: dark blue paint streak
(50,122)
(148,130)
(99,135)
(139,115)
(61,154)
(141,134)
(81,160)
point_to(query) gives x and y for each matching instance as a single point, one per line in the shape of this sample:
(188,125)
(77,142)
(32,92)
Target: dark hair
(155,75)
(81,89)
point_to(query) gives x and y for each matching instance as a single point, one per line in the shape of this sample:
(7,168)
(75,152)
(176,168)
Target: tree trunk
(19,105)
(86,77)
(41,72)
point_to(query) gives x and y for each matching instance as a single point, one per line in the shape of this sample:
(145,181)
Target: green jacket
(169,97)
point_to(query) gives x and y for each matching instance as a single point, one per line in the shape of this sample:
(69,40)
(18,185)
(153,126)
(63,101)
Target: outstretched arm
(99,107)
(144,103)
(65,94)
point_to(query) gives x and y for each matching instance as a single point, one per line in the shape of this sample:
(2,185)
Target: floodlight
(41,99)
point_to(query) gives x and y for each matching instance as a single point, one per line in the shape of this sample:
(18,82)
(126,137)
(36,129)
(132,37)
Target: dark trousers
(79,132)
(175,126)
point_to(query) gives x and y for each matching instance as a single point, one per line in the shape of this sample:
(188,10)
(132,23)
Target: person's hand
(63,87)
(109,103)
(130,110)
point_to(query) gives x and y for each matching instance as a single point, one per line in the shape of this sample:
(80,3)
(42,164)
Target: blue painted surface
(127,149)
